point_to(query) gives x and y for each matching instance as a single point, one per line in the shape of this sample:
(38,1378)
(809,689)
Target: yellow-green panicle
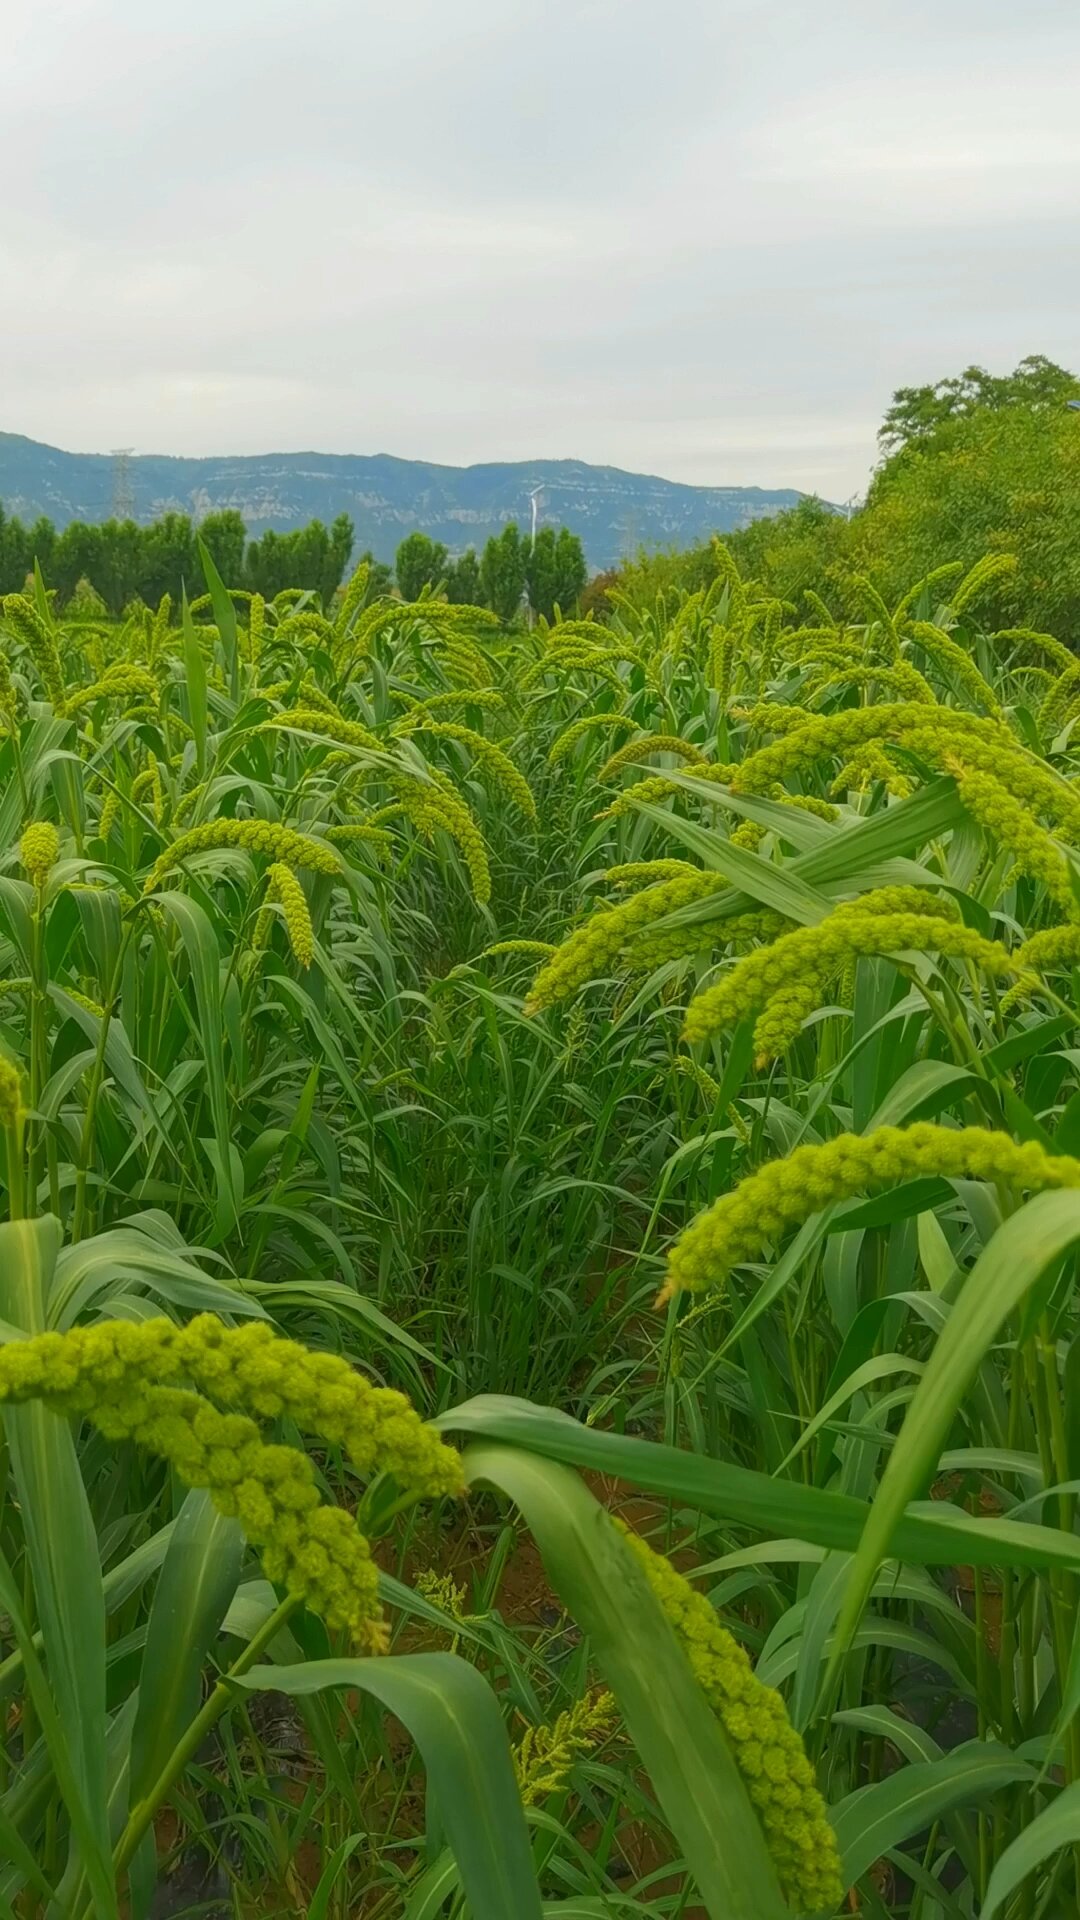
(770,1203)
(39,850)
(768,1752)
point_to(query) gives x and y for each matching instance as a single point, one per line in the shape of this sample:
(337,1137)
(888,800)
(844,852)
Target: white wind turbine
(534,499)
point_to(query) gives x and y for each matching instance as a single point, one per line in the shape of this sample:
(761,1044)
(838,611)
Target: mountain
(614,512)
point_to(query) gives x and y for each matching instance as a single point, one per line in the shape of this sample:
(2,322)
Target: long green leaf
(1017,1256)
(806,1241)
(201,947)
(224,617)
(888,835)
(800,829)
(15,1852)
(935,1534)
(452,1715)
(873,1820)
(330,1875)
(39,740)
(195,676)
(690,1764)
(61,1545)
(117,1586)
(64,1755)
(778,887)
(198,1579)
(926,1087)
(1058,1825)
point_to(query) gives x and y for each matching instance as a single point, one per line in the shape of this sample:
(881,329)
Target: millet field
(539,1342)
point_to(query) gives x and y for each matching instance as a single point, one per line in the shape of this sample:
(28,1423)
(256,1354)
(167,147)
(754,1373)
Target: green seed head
(39,850)
(11,1102)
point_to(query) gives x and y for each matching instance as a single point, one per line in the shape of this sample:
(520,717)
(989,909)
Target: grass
(426,1105)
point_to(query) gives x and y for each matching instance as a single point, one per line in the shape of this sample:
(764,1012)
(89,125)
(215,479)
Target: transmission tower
(123,486)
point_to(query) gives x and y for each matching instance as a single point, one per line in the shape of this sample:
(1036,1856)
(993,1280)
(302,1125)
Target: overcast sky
(701,238)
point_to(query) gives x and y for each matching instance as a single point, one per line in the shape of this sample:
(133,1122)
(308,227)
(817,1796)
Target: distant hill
(614,512)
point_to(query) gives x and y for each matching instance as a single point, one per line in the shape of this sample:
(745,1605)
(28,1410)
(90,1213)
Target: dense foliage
(546,570)
(921,416)
(644,1049)
(975,464)
(111,564)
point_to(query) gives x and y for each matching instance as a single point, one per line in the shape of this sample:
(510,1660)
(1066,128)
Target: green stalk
(39,1056)
(20,773)
(221,1697)
(1066,1505)
(982,1693)
(16,1178)
(97,1075)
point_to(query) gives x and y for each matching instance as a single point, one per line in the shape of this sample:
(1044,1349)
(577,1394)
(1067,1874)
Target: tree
(118,572)
(419,562)
(982,464)
(16,554)
(266,565)
(555,571)
(43,543)
(308,557)
(77,556)
(462,583)
(595,601)
(996,480)
(805,546)
(169,560)
(225,538)
(918,414)
(121,560)
(502,572)
(306,553)
(380,576)
(665,570)
(342,536)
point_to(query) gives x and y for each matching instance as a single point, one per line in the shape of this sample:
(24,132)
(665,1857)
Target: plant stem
(222,1696)
(97,1074)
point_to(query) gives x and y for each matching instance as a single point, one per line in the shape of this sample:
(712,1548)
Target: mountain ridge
(613,509)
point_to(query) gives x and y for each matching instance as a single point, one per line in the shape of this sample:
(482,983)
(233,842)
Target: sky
(699,238)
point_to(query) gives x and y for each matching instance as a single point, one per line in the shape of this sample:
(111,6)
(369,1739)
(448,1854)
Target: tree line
(119,561)
(971,464)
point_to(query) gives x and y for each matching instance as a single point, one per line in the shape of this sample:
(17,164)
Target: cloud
(706,240)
